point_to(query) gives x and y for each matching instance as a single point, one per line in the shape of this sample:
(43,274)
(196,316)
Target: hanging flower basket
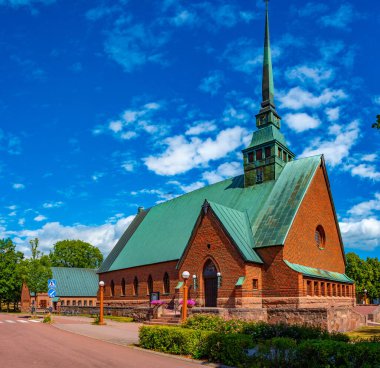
(190,302)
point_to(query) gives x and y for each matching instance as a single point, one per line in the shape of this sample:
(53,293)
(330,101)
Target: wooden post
(101,295)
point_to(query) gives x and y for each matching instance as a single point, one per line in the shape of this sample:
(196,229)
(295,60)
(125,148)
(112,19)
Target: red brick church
(265,240)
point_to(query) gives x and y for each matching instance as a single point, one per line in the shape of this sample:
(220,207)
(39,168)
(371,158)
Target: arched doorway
(210,283)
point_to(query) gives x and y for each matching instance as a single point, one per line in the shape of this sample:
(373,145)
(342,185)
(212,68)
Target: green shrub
(229,349)
(205,322)
(175,340)
(47,319)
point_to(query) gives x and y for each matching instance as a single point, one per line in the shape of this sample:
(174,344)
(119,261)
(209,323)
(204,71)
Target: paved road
(26,344)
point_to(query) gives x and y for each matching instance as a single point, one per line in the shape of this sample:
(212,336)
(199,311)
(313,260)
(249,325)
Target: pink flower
(157,302)
(190,302)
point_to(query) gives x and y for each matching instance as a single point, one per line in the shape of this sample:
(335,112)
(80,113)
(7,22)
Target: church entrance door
(210,283)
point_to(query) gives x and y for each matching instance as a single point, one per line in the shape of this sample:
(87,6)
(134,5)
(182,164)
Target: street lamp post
(185,276)
(101,296)
(365,296)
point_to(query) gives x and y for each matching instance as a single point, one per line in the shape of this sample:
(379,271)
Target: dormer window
(267,152)
(279,152)
(250,157)
(259,154)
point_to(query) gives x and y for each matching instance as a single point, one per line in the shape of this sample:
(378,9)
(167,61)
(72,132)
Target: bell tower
(268,152)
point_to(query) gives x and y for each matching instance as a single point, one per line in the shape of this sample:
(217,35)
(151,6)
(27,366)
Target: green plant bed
(365,333)
(119,319)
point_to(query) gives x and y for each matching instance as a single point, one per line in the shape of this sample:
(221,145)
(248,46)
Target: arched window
(320,237)
(150,284)
(112,288)
(123,287)
(166,284)
(136,286)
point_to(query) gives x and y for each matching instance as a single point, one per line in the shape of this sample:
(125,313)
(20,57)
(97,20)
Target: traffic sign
(52,293)
(52,284)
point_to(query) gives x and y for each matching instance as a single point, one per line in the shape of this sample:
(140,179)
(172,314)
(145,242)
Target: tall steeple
(267,114)
(268,152)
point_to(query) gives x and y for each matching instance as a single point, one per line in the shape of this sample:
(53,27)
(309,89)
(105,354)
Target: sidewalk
(114,332)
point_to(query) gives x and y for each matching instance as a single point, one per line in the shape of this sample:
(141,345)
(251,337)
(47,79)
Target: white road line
(1,322)
(22,321)
(9,321)
(34,320)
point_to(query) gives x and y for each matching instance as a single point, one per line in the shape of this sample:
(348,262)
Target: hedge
(214,346)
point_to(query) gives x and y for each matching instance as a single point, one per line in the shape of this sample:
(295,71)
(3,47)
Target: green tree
(365,273)
(75,253)
(377,124)
(36,270)
(10,279)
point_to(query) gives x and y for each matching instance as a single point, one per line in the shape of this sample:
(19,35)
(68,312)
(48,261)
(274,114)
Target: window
(135,286)
(68,303)
(319,237)
(90,303)
(255,284)
(328,291)
(308,288)
(259,175)
(43,304)
(123,287)
(250,156)
(150,285)
(74,303)
(334,289)
(166,283)
(267,152)
(323,291)
(279,152)
(62,303)
(112,288)
(316,288)
(259,154)
(85,303)
(79,303)
(284,156)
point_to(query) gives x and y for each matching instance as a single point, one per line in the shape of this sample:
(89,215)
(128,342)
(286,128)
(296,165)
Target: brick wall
(316,209)
(157,271)
(210,241)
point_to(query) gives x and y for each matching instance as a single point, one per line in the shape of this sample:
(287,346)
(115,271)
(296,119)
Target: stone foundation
(247,314)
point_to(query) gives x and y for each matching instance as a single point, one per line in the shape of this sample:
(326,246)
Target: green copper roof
(318,273)
(238,227)
(240,281)
(277,215)
(75,281)
(164,232)
(266,135)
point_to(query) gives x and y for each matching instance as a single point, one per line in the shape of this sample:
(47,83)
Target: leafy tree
(75,253)
(377,124)
(10,280)
(365,273)
(36,270)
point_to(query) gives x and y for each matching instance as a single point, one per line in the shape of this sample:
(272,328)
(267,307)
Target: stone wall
(247,314)
(344,319)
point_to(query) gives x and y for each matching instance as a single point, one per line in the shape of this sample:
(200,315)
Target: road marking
(34,320)
(1,322)
(22,321)
(9,321)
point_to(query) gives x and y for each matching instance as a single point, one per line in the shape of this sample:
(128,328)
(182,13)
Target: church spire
(268,114)
(267,83)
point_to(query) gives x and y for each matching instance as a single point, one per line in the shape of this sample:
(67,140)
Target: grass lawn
(365,333)
(119,319)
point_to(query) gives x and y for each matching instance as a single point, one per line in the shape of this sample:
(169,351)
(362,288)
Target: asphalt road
(26,344)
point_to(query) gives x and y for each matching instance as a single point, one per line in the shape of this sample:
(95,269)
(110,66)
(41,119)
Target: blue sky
(110,105)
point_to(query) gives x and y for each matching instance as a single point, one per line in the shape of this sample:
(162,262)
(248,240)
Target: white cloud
(301,121)
(311,8)
(187,188)
(18,186)
(363,234)
(298,98)
(340,19)
(336,146)
(39,218)
(10,143)
(304,73)
(182,155)
(52,204)
(128,166)
(116,126)
(366,208)
(103,236)
(21,221)
(184,17)
(212,83)
(201,127)
(361,229)
(224,171)
(376,100)
(370,157)
(333,113)
(364,171)
(96,176)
